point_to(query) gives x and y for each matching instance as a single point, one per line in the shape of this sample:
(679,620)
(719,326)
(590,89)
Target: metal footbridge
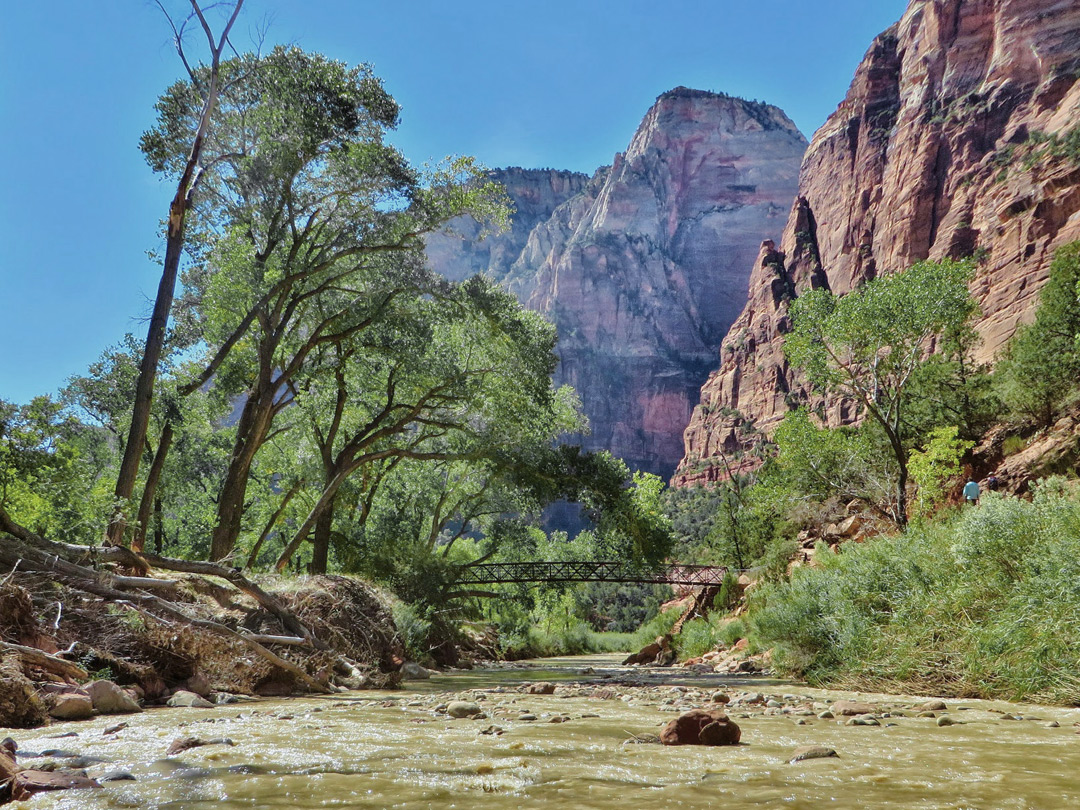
(589,571)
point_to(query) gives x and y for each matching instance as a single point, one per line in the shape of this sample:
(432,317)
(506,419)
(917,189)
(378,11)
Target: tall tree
(206,85)
(314,232)
(867,346)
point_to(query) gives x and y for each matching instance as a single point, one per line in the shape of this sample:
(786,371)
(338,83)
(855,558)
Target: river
(401,750)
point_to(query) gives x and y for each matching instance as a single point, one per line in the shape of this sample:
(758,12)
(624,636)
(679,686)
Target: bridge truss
(587,571)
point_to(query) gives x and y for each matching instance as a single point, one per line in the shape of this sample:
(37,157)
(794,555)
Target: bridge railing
(588,571)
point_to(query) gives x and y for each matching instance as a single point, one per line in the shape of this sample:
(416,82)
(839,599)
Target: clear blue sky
(553,84)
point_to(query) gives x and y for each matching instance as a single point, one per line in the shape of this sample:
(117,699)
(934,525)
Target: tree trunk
(251,432)
(320,555)
(159,319)
(149,495)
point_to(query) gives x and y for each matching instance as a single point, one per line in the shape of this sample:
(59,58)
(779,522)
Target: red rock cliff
(953,140)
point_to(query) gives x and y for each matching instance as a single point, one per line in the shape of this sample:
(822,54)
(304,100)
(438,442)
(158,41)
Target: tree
(868,345)
(1041,364)
(937,463)
(205,84)
(313,230)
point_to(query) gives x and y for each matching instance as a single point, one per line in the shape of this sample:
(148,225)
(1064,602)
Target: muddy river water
(570,749)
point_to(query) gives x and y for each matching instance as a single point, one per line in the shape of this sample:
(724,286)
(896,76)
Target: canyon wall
(645,267)
(959,136)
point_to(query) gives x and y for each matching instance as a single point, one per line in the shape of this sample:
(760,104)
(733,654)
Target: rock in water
(412,671)
(71,706)
(462,708)
(27,783)
(108,698)
(699,727)
(851,708)
(189,700)
(812,752)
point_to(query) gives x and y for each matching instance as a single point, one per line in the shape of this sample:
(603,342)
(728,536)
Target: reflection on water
(394,749)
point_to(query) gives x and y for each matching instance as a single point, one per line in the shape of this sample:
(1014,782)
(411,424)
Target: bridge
(589,571)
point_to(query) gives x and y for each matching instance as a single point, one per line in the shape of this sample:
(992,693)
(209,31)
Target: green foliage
(1038,372)
(868,346)
(982,603)
(53,470)
(934,466)
(697,637)
(814,462)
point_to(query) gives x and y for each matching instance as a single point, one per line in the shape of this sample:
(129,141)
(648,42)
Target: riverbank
(571,744)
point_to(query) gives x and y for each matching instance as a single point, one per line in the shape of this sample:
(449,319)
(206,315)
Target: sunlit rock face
(645,267)
(938,150)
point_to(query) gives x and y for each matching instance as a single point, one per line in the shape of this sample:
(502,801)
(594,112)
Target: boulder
(851,708)
(462,708)
(543,688)
(699,727)
(27,783)
(200,685)
(932,706)
(71,706)
(108,698)
(189,700)
(412,671)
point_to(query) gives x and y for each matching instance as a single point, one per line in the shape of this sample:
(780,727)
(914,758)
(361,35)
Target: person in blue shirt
(971,492)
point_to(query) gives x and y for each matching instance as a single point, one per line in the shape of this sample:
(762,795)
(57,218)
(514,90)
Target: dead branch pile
(165,629)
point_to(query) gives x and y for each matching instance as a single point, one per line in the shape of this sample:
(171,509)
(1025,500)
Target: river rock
(117,776)
(863,720)
(699,727)
(189,700)
(200,685)
(27,783)
(851,708)
(412,671)
(462,708)
(932,706)
(945,720)
(812,752)
(187,743)
(71,706)
(542,688)
(108,698)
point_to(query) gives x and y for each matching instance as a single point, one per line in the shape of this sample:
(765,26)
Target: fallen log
(291,641)
(40,658)
(90,581)
(143,563)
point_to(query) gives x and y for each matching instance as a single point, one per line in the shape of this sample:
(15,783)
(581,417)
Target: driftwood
(48,662)
(143,562)
(235,578)
(91,581)
(290,641)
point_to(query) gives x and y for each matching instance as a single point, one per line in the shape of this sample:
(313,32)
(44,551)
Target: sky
(560,84)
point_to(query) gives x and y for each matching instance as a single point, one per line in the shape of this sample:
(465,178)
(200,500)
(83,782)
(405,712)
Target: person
(971,492)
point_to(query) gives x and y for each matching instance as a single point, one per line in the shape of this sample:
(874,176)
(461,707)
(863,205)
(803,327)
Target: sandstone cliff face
(645,272)
(644,268)
(460,252)
(939,149)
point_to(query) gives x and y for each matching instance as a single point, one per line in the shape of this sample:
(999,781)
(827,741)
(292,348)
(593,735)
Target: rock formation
(959,136)
(645,267)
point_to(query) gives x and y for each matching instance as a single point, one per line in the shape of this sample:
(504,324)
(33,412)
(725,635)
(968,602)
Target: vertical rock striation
(959,136)
(643,268)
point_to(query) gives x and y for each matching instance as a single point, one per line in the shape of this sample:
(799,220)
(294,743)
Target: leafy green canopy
(1041,364)
(868,346)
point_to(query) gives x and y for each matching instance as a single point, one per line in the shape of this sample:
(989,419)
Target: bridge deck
(586,571)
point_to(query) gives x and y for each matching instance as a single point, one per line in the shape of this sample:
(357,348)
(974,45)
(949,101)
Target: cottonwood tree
(206,84)
(867,346)
(313,228)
